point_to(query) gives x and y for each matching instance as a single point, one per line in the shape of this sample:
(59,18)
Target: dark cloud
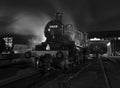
(86,14)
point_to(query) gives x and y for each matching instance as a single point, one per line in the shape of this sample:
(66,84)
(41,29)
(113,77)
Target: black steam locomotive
(57,50)
(55,36)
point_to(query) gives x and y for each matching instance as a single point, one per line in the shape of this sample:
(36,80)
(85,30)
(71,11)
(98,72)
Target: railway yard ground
(92,74)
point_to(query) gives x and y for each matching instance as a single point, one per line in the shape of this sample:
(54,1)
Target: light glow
(108,44)
(95,39)
(47,47)
(118,38)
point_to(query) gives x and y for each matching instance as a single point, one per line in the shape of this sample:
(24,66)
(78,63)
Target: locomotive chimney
(59,16)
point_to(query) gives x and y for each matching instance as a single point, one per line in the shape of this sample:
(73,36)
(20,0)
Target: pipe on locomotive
(58,16)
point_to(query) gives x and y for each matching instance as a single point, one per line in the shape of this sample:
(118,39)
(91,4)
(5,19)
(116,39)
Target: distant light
(95,39)
(37,62)
(118,38)
(108,44)
(16,52)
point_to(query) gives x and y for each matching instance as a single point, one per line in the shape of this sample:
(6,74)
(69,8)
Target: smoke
(29,24)
(32,24)
(74,35)
(74,32)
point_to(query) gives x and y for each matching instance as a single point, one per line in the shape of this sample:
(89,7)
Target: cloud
(29,24)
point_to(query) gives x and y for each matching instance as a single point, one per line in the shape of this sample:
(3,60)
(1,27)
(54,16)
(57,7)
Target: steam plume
(27,24)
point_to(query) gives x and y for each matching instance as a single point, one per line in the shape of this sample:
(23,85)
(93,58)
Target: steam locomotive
(57,50)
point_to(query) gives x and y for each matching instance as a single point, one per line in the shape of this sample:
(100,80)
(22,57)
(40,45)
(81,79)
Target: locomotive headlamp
(49,29)
(48,47)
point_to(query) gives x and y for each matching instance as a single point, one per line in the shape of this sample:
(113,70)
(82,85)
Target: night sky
(30,16)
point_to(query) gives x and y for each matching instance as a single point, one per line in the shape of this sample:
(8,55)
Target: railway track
(25,77)
(61,75)
(33,79)
(105,80)
(109,76)
(66,80)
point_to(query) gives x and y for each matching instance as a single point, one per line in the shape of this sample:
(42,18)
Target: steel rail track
(83,69)
(107,78)
(65,80)
(15,79)
(61,76)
